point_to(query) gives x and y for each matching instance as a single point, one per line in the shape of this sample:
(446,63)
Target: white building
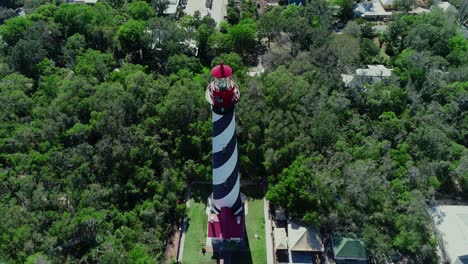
(373,73)
(172,7)
(451,222)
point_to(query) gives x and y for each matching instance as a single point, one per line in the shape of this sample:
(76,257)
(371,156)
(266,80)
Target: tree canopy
(103,123)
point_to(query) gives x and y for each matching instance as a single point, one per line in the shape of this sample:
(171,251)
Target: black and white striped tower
(227,216)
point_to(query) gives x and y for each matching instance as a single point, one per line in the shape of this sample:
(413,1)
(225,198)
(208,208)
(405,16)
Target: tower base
(225,226)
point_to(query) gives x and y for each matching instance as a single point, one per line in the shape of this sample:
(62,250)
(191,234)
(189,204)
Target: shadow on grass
(244,255)
(253,191)
(200,192)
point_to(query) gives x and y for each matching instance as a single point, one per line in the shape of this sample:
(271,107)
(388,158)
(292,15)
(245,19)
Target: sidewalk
(268,234)
(183,227)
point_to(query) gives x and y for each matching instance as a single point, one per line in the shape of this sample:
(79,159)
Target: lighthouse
(226,214)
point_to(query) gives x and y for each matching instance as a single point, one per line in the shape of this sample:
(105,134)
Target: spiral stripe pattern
(226,182)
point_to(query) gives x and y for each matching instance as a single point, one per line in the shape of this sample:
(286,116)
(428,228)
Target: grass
(255,224)
(195,237)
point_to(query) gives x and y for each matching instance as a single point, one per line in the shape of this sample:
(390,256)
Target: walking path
(183,228)
(268,233)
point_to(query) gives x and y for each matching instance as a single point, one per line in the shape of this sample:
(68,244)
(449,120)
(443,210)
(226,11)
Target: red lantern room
(222,92)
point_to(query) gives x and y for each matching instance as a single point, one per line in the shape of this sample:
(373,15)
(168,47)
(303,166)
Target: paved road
(217,12)
(183,228)
(268,231)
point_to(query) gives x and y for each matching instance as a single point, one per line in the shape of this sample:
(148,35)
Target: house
(372,10)
(305,243)
(348,250)
(451,222)
(388,4)
(172,7)
(419,10)
(446,7)
(373,73)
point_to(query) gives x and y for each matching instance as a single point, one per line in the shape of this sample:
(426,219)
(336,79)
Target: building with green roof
(348,250)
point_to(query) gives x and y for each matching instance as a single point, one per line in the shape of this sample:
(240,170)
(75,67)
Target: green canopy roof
(349,248)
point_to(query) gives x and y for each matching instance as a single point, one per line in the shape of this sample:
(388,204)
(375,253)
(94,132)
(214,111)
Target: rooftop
(348,248)
(371,9)
(372,72)
(302,237)
(281,240)
(387,2)
(452,223)
(172,7)
(375,71)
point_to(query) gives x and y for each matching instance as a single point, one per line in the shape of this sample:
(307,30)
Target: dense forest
(103,122)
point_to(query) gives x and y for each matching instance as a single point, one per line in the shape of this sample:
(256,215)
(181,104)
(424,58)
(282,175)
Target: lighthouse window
(222,83)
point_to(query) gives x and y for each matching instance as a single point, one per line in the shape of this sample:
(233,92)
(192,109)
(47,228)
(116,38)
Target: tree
(25,56)
(13,29)
(248,9)
(233,60)
(11,3)
(298,189)
(429,141)
(243,37)
(31,4)
(405,5)
(167,38)
(270,24)
(346,48)
(131,35)
(202,36)
(75,19)
(346,9)
(352,28)
(368,51)
(176,63)
(160,6)
(233,15)
(94,64)
(140,10)
(219,43)
(6,13)
(74,47)
(458,50)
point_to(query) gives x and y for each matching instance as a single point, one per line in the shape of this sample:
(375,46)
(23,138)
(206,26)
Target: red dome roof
(221,71)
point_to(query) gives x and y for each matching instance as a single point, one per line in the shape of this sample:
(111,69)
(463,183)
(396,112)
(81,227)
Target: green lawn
(255,223)
(195,237)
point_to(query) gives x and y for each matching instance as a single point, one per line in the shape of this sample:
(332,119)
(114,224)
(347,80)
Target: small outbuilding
(281,245)
(305,243)
(347,249)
